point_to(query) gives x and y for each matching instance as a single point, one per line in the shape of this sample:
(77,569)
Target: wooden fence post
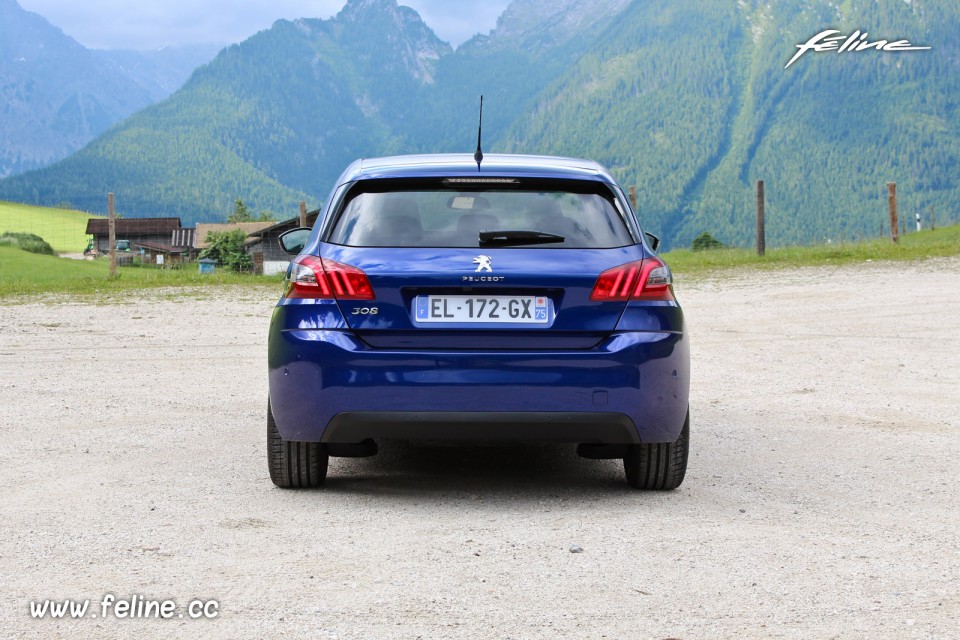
(761,222)
(112,236)
(892,205)
(933,220)
(303,214)
(633,197)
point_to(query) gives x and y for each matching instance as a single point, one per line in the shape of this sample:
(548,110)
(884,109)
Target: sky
(151,24)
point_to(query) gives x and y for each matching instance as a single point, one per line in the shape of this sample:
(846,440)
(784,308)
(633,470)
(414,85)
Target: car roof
(464,165)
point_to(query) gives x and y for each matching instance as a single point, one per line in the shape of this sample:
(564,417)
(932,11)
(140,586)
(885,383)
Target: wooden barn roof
(133,226)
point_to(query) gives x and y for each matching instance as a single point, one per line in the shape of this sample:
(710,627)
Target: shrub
(28,242)
(705,242)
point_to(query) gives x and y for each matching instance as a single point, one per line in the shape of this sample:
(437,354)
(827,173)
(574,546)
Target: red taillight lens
(312,277)
(617,283)
(648,279)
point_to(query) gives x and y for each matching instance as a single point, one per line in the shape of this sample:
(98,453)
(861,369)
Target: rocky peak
(359,10)
(521,16)
(537,24)
(410,42)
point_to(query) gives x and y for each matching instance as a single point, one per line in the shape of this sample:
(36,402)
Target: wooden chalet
(148,237)
(264,245)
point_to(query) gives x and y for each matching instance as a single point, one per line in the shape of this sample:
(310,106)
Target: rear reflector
(648,279)
(312,277)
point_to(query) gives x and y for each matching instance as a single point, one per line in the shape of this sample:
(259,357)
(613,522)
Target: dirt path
(821,499)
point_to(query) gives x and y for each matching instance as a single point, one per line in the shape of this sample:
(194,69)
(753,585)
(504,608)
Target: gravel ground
(821,499)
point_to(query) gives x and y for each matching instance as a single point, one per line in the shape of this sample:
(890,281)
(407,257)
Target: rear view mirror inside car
(468,203)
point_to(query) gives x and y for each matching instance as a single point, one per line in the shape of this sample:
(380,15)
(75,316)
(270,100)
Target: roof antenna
(478,154)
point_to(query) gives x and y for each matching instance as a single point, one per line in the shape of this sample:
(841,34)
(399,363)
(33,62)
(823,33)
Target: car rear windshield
(508,213)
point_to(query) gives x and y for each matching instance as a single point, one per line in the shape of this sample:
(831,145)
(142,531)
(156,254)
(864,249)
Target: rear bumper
(328,386)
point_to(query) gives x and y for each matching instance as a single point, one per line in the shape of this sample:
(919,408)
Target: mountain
(542,25)
(275,119)
(689,101)
(270,120)
(162,71)
(534,42)
(56,95)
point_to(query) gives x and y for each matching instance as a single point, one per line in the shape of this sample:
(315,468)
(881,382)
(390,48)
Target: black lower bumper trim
(494,426)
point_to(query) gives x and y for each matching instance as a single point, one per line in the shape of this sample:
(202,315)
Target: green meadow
(23,274)
(64,229)
(941,242)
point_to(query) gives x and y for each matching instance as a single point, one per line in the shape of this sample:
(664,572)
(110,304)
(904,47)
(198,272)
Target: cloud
(150,24)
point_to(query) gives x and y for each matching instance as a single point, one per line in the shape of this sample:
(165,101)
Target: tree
(240,213)
(226,247)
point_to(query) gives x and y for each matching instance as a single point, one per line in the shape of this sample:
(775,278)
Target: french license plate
(509,309)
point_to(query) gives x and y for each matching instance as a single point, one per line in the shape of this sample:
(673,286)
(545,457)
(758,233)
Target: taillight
(312,277)
(648,279)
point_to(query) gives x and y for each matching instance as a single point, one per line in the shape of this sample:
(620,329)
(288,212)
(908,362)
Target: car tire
(294,465)
(659,466)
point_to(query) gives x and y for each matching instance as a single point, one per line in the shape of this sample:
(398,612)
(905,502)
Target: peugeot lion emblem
(483,263)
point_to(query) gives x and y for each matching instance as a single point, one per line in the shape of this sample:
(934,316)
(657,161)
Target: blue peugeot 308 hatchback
(515,299)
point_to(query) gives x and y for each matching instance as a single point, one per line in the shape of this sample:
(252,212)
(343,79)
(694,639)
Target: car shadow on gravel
(440,468)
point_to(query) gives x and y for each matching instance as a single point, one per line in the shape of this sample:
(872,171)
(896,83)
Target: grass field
(62,228)
(23,274)
(913,246)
